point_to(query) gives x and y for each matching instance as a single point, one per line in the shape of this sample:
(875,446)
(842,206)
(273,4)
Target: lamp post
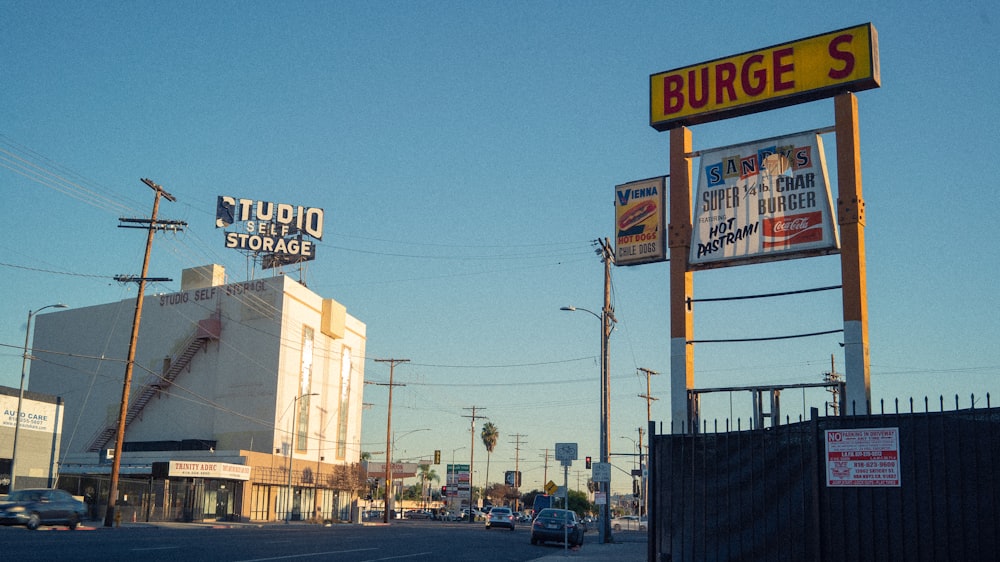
(20,394)
(642,479)
(291,452)
(394,438)
(607,318)
(452,478)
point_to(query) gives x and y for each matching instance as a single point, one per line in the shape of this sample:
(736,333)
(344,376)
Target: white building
(221,374)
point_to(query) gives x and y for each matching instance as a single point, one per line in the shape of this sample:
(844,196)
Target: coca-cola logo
(792,229)
(800,223)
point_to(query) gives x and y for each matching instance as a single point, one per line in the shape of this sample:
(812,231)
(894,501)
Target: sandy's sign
(763,201)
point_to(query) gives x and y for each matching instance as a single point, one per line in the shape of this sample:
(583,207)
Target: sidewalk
(617,551)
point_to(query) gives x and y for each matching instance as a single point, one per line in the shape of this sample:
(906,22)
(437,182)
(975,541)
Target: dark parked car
(419,514)
(500,517)
(34,507)
(557,525)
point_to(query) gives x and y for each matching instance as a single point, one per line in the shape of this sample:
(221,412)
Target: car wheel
(74,522)
(34,521)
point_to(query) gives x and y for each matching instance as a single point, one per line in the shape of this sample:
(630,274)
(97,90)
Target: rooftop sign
(279,233)
(799,71)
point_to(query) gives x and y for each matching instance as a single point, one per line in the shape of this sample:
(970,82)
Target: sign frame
(762,201)
(804,70)
(640,221)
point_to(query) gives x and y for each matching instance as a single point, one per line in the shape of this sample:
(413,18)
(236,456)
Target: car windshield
(499,511)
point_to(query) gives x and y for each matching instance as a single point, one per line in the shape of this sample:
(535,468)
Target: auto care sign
(640,216)
(763,201)
(862,457)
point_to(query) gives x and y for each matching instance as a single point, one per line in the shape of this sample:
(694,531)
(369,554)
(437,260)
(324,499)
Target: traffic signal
(588,462)
(437,456)
(635,488)
(444,491)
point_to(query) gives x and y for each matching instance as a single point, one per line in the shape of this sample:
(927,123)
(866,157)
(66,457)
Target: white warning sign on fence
(862,457)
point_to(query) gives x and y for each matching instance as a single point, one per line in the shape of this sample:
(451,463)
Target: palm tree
(427,474)
(490,435)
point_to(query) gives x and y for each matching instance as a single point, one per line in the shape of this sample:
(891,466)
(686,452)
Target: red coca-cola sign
(791,230)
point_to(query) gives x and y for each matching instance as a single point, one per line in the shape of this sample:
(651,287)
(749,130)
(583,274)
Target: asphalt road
(403,540)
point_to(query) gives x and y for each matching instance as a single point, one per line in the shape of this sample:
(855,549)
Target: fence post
(818,476)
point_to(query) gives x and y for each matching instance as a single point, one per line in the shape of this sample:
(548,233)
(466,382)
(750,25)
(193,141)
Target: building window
(305,388)
(345,399)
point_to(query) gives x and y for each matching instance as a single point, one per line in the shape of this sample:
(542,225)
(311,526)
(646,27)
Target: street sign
(566,451)
(601,472)
(551,488)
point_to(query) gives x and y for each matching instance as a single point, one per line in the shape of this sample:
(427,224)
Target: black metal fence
(762,494)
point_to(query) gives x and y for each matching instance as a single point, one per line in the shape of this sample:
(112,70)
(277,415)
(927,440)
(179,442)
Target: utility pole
(152,225)
(517,469)
(833,376)
(607,325)
(388,434)
(545,472)
(648,396)
(644,483)
(472,453)
(642,468)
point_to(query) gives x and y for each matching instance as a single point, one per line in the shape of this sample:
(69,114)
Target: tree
(490,435)
(426,474)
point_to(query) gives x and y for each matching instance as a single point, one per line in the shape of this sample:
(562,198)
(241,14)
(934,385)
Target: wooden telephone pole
(388,435)
(152,225)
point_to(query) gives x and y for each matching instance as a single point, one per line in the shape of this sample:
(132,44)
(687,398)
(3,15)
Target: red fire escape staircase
(207,330)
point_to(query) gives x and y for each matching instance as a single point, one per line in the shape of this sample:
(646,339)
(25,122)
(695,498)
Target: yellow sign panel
(640,216)
(551,488)
(796,72)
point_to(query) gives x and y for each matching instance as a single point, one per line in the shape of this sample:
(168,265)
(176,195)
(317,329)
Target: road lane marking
(311,554)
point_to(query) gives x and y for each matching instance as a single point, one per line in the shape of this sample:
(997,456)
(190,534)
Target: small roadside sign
(863,457)
(551,488)
(601,472)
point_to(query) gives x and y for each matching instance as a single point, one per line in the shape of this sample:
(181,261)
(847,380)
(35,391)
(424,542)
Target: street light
(390,448)
(642,478)
(394,438)
(291,451)
(607,319)
(20,394)
(634,444)
(451,480)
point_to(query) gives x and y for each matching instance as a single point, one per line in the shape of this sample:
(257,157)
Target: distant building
(221,374)
(37,440)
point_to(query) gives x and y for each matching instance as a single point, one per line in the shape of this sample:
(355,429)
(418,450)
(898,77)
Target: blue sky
(466,156)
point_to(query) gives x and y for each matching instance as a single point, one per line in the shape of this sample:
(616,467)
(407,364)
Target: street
(402,540)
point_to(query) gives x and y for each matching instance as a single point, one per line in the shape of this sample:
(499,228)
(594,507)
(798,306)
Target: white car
(628,523)
(500,517)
